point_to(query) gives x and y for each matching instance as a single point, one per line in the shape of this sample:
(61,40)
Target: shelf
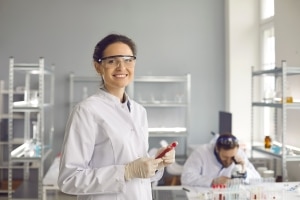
(35,107)
(159,104)
(6,92)
(271,152)
(32,68)
(21,105)
(14,141)
(167,101)
(160,79)
(168,132)
(31,159)
(279,125)
(277,71)
(277,105)
(15,116)
(19,165)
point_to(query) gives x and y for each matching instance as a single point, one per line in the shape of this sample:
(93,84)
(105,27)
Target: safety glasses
(117,60)
(227,141)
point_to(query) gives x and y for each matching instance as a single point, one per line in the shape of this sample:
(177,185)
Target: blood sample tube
(169,148)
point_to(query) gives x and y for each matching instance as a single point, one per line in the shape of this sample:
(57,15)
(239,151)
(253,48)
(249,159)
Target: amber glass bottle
(268,142)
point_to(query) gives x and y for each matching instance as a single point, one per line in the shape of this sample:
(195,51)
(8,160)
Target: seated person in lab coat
(215,163)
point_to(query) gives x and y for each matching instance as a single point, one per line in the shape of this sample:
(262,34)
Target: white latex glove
(167,159)
(141,168)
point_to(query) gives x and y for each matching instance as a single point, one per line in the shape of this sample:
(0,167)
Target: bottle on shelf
(268,142)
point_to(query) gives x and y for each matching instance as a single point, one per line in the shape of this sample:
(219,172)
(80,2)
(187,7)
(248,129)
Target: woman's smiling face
(117,72)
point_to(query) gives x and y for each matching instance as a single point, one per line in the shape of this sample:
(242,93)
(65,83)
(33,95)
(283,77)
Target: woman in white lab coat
(104,154)
(216,163)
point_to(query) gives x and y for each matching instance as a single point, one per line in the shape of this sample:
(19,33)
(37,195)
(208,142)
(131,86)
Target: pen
(185,189)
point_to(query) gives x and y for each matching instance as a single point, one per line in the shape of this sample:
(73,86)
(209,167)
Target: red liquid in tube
(169,148)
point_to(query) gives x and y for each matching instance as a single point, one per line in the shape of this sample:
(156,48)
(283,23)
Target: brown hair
(110,39)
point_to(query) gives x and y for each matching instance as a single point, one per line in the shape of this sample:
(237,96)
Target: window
(267,9)
(267,56)
(268,47)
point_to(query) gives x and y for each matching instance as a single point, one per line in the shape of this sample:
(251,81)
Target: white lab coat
(101,136)
(202,167)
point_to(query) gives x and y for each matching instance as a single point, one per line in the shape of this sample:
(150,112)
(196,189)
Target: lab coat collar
(218,157)
(103,92)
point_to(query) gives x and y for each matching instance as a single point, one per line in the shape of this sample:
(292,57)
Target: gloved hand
(220,180)
(167,159)
(141,168)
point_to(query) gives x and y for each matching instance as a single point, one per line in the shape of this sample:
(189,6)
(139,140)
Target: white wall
(287,35)
(287,32)
(242,52)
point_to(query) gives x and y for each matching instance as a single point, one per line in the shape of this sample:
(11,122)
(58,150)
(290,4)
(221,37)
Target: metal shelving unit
(85,83)
(167,101)
(4,135)
(35,130)
(3,142)
(168,105)
(279,107)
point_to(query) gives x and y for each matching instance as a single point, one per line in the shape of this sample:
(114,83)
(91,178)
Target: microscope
(238,171)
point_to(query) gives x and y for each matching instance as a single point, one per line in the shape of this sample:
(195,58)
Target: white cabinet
(34,130)
(167,101)
(271,111)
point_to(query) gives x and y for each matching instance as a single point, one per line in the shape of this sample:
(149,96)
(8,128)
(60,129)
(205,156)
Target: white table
(50,178)
(285,191)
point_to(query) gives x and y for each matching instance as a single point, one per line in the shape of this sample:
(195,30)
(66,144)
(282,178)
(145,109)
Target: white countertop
(284,190)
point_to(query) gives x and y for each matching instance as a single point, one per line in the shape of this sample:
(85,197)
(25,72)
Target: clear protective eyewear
(115,61)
